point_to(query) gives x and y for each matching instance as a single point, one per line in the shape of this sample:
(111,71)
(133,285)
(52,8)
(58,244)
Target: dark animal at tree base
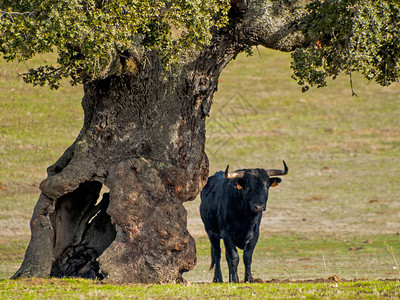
(231,209)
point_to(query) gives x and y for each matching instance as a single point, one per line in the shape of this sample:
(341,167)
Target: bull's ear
(275,181)
(238,186)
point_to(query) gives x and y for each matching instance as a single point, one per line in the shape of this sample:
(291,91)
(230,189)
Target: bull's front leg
(232,257)
(248,257)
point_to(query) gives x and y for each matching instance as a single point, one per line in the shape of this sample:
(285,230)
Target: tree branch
(3,13)
(273,24)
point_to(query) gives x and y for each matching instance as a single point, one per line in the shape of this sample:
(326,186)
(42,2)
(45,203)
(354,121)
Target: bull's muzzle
(258,208)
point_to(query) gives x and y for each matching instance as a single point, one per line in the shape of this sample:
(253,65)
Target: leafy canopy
(350,36)
(90,36)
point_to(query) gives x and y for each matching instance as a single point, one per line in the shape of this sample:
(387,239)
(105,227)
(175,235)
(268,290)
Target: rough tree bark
(143,138)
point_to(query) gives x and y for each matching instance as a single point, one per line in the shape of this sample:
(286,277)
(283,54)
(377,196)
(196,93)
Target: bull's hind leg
(215,257)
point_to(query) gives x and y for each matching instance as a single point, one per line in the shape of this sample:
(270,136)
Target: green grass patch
(78,289)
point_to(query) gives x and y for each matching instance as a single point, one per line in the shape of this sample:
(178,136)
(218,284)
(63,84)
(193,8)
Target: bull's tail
(212,263)
(215,247)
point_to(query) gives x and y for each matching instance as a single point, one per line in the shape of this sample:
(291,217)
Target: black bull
(231,209)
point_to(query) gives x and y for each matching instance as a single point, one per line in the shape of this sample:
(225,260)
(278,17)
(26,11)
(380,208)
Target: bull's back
(211,197)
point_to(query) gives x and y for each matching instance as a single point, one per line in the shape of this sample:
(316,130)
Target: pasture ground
(87,289)
(336,213)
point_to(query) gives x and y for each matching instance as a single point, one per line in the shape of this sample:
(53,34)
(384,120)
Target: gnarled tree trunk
(143,138)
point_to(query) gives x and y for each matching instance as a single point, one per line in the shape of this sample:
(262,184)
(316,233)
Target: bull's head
(254,184)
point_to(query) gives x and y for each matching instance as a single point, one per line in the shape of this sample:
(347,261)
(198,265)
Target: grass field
(86,289)
(337,212)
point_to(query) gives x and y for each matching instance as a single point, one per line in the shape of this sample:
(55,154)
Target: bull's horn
(275,172)
(238,174)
